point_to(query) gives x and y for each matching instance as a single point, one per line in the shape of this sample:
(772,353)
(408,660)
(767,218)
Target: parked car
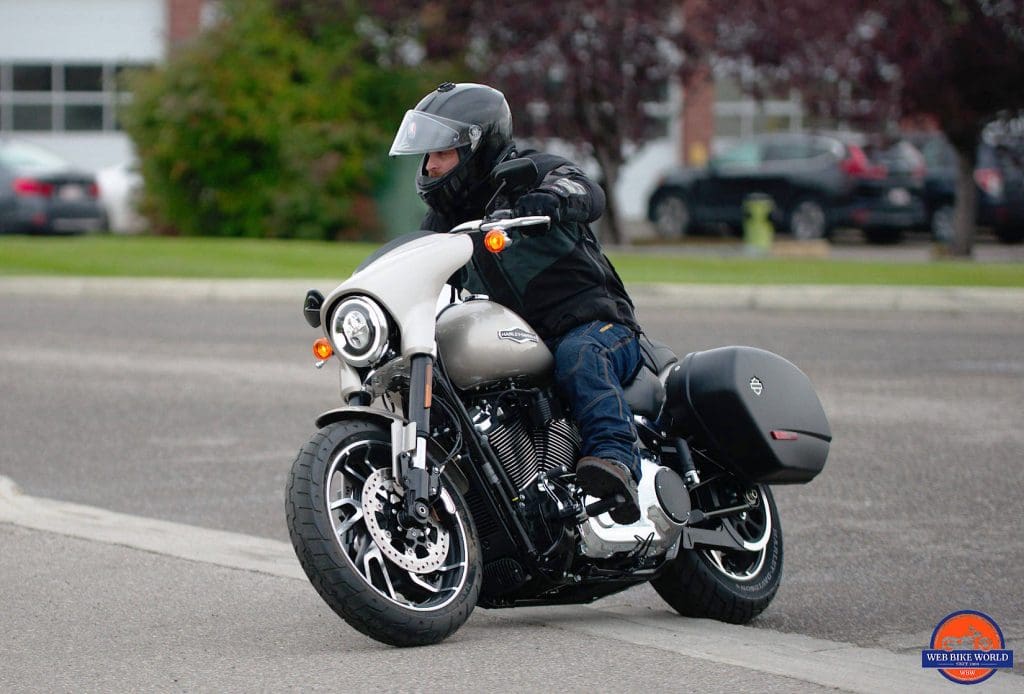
(998,177)
(42,193)
(817,182)
(120,190)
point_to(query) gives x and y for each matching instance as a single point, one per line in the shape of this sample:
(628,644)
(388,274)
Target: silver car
(41,193)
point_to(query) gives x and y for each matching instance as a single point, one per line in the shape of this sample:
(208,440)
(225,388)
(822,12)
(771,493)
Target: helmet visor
(424,132)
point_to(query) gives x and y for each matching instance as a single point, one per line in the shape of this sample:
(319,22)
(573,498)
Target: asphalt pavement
(105,601)
(141,604)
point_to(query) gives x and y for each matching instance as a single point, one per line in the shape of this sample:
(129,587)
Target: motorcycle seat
(645,393)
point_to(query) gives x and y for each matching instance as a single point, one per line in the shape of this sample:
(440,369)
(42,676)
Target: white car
(120,188)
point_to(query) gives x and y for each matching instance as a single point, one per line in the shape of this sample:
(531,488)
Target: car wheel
(807,220)
(942,224)
(671,216)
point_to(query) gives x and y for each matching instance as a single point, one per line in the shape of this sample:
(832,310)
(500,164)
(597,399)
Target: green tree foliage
(261,129)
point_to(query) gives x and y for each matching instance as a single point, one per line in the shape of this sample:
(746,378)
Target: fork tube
(420,389)
(416,478)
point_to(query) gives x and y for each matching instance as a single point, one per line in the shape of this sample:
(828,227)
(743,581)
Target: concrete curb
(778,297)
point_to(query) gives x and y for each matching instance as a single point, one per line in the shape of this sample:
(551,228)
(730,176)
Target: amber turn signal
(322,349)
(495,240)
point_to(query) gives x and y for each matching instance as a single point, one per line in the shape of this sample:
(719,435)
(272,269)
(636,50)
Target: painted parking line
(803,658)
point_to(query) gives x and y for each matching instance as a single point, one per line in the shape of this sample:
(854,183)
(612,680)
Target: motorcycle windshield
(421,133)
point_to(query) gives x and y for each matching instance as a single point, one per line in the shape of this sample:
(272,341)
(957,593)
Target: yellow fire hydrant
(758,231)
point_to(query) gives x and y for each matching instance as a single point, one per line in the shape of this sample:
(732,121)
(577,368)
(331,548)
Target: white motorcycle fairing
(427,263)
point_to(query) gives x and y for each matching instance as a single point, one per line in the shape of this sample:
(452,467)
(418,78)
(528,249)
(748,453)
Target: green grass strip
(112,256)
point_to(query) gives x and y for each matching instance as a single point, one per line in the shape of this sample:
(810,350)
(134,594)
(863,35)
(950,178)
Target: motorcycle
(446,480)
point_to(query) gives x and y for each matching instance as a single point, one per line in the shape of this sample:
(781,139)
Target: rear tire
(808,220)
(392,583)
(728,586)
(671,216)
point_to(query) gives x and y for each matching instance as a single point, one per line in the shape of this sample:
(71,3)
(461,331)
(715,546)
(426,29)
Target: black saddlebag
(756,413)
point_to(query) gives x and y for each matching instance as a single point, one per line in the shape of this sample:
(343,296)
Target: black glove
(539,203)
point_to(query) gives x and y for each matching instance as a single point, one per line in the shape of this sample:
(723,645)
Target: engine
(528,432)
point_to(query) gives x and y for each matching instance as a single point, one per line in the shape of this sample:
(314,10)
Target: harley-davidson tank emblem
(517,335)
(756,385)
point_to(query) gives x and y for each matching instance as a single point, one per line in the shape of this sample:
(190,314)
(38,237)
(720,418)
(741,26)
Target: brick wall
(183,20)
(698,118)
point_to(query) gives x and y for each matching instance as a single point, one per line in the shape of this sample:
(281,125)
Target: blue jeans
(591,363)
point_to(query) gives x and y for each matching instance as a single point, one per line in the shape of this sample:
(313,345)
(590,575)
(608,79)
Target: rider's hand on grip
(538,203)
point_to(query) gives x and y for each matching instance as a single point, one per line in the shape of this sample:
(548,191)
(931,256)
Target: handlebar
(497,220)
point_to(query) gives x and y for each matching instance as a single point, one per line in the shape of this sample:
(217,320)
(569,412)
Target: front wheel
(404,586)
(729,585)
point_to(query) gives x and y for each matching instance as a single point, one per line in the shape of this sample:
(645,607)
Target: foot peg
(605,505)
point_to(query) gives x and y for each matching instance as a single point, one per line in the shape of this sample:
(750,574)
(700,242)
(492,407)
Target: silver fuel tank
(482,342)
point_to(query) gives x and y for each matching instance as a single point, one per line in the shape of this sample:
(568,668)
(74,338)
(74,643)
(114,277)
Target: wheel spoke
(357,514)
(404,567)
(422,583)
(373,556)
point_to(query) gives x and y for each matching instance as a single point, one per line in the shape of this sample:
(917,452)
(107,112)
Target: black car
(817,182)
(998,178)
(42,193)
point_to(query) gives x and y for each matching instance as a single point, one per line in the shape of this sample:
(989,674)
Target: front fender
(358,412)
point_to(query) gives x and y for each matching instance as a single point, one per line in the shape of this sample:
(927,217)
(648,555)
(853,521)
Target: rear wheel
(404,586)
(729,585)
(671,216)
(808,220)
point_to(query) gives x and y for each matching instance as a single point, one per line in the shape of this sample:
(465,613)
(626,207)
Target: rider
(556,278)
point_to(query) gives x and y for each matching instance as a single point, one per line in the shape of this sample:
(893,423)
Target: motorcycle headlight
(359,331)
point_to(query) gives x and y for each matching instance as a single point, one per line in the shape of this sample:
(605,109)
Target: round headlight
(359,331)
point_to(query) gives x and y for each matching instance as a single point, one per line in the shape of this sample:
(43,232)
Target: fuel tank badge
(517,335)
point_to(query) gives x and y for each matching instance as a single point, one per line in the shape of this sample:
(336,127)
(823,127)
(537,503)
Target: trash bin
(758,231)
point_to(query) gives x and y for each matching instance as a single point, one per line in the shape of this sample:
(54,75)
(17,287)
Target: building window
(31,78)
(57,97)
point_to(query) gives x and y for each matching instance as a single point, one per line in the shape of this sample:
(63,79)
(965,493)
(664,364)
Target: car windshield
(23,157)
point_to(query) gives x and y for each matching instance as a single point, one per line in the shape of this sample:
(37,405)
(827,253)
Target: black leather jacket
(557,279)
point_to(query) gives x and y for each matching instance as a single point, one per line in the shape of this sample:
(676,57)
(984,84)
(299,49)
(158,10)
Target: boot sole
(602,484)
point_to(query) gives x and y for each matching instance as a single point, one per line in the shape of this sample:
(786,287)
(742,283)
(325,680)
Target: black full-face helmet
(471,118)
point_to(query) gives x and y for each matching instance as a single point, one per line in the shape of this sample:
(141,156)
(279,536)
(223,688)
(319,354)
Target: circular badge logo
(967,647)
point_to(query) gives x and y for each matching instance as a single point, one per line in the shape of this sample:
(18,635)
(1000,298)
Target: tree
(869,62)
(260,128)
(582,71)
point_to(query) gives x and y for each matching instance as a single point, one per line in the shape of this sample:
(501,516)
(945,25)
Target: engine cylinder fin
(558,445)
(515,450)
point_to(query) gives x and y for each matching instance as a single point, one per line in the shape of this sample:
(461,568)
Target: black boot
(604,478)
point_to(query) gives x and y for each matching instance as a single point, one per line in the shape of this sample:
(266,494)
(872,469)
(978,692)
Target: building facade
(62,64)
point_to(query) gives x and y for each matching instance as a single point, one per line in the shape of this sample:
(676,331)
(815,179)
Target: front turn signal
(496,240)
(322,349)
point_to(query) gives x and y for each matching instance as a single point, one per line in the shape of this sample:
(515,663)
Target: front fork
(409,445)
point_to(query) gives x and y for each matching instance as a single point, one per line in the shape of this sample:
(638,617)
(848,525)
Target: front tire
(726,585)
(402,586)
